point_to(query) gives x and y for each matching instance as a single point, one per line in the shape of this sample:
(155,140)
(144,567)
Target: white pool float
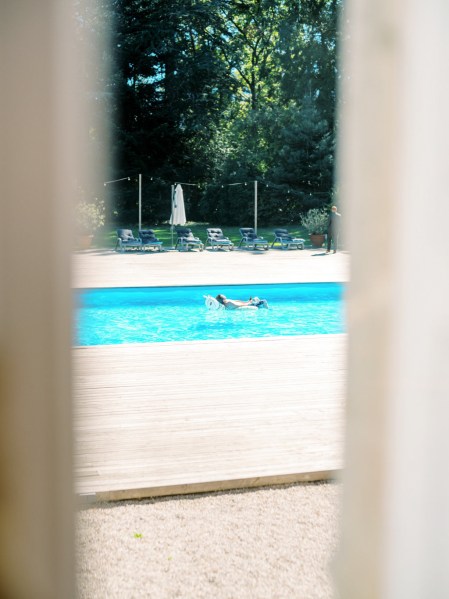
(213,304)
(258,303)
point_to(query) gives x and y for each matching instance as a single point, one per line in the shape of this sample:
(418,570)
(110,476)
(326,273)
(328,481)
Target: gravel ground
(272,542)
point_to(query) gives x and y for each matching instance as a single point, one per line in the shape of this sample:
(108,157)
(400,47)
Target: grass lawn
(107,237)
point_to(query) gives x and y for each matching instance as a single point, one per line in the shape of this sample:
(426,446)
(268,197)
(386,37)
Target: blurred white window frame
(393,171)
(39,149)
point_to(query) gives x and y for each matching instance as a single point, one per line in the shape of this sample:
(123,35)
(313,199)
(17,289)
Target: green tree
(305,157)
(217,92)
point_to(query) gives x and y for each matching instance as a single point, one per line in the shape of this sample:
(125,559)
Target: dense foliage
(315,221)
(218,93)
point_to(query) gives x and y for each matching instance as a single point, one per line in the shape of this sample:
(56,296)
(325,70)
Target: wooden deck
(109,269)
(168,418)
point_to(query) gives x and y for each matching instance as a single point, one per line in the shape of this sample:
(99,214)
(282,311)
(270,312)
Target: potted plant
(315,222)
(89,216)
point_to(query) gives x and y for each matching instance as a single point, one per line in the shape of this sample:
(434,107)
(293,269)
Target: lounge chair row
(215,239)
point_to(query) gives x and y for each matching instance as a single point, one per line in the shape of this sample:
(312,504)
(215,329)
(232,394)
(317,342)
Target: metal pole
(171,217)
(140,203)
(255,207)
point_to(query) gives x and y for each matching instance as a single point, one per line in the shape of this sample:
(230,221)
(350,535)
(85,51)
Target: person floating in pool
(231,304)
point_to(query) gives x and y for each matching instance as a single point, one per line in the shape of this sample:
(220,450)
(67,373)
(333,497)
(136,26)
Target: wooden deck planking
(109,269)
(164,415)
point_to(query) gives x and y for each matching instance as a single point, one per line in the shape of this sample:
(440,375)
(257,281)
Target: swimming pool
(161,314)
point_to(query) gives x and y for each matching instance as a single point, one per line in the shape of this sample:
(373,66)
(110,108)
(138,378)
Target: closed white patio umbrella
(178,211)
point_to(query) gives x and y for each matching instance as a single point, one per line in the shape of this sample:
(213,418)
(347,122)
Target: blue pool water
(160,314)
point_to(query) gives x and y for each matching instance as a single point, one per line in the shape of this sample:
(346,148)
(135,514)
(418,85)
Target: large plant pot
(84,241)
(317,240)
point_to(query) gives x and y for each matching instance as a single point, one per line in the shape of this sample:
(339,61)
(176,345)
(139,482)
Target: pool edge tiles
(274,339)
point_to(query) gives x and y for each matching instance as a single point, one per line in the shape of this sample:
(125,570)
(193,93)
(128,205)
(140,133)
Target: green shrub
(315,221)
(90,216)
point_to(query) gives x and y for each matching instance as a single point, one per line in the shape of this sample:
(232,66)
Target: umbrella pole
(140,203)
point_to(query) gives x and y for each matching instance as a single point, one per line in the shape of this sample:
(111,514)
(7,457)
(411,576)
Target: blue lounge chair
(287,242)
(127,241)
(149,240)
(251,240)
(217,240)
(186,240)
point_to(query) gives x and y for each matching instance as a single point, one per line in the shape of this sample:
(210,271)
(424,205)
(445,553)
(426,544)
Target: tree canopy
(215,93)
